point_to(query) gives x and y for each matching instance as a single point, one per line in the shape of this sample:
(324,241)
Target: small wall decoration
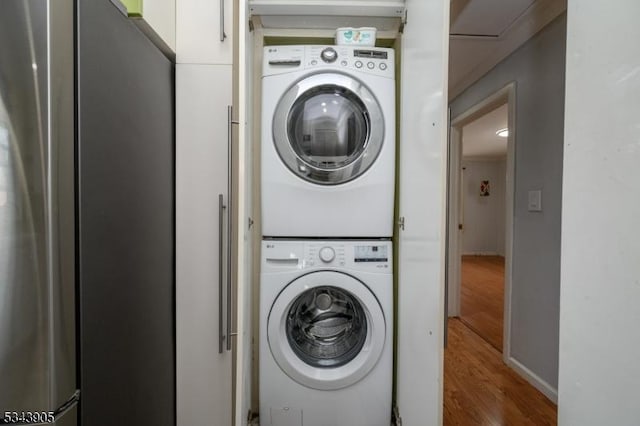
(484,188)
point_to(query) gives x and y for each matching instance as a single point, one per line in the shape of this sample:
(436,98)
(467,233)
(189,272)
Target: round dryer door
(326,330)
(328,128)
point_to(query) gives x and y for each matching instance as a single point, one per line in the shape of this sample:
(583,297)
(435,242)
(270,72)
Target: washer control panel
(370,60)
(360,255)
(357,255)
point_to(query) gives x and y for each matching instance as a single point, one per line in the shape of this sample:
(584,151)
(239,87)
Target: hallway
(479,389)
(482,297)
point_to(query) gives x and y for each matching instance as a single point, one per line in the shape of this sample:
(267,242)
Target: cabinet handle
(221,335)
(223,35)
(229,216)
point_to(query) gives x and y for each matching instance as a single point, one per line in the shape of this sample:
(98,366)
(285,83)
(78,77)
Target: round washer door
(328,128)
(326,330)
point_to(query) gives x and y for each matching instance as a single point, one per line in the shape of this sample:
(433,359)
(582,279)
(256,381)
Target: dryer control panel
(370,60)
(358,255)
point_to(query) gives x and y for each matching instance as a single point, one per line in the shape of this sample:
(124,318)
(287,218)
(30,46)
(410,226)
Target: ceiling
(484,32)
(479,137)
(487,17)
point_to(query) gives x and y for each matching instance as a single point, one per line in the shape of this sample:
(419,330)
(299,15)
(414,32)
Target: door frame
(454,199)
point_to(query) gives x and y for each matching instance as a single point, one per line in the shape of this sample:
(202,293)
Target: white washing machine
(328,141)
(326,340)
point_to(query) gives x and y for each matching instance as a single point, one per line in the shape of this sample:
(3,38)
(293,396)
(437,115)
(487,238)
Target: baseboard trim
(482,253)
(544,387)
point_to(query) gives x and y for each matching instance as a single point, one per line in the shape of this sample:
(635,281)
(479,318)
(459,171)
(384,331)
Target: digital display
(375,54)
(371,254)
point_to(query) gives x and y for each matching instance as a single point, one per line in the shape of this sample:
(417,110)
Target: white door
(422,173)
(204,364)
(244,374)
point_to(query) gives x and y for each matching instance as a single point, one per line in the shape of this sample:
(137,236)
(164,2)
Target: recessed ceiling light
(503,133)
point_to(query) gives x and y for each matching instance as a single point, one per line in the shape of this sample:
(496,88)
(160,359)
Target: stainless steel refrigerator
(87,227)
(37,220)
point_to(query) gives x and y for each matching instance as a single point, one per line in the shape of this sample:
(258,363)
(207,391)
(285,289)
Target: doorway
(483,224)
(480,384)
(481,176)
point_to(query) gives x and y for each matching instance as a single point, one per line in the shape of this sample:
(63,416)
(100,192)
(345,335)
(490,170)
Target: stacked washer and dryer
(326,286)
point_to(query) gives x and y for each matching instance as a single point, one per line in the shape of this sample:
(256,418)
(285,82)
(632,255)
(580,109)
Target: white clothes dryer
(326,333)
(328,141)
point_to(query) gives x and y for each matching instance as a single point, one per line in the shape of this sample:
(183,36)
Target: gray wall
(538,68)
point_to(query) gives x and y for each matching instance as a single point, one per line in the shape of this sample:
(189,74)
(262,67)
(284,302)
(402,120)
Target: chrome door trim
(310,172)
(229,216)
(221,335)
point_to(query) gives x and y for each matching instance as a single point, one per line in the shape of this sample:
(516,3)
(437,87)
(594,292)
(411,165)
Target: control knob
(327,254)
(329,55)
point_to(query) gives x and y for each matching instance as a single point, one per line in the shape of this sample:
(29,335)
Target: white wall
(600,343)
(538,70)
(484,217)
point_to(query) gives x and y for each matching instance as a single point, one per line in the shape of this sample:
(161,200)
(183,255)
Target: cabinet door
(423,136)
(199,32)
(204,374)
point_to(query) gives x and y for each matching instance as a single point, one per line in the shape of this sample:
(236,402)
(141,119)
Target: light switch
(535,201)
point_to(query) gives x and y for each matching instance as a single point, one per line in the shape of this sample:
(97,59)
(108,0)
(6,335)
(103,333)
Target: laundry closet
(310,220)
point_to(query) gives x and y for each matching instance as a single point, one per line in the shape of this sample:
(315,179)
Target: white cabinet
(204,375)
(204,31)
(368,8)
(161,16)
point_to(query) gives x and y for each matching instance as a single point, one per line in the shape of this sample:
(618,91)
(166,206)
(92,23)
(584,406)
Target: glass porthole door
(326,326)
(326,330)
(328,129)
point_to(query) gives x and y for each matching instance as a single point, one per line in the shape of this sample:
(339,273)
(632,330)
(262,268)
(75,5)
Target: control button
(358,64)
(327,254)
(314,62)
(343,63)
(329,55)
(371,65)
(383,66)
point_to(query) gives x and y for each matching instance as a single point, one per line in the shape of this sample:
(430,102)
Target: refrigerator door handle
(221,335)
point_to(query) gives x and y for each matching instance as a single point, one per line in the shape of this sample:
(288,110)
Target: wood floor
(479,389)
(482,296)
